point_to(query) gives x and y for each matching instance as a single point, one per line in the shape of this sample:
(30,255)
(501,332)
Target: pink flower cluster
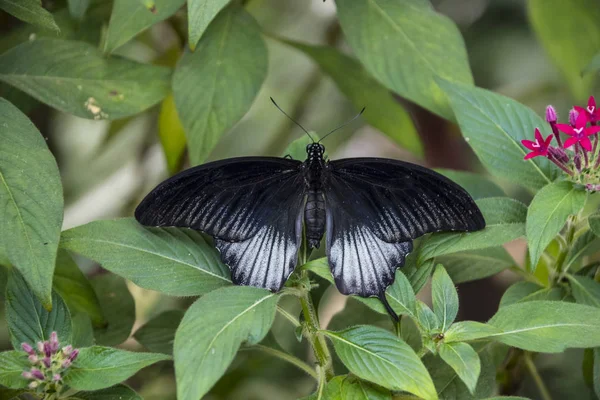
(49,362)
(577,156)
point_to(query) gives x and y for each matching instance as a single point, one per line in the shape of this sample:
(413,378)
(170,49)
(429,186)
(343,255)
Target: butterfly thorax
(314,209)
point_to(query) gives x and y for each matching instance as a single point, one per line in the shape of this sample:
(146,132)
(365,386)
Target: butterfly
(368,209)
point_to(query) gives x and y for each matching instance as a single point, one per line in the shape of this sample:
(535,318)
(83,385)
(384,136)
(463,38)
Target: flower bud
(34,385)
(27,375)
(559,154)
(551,115)
(34,359)
(73,355)
(27,348)
(573,114)
(47,349)
(577,161)
(37,374)
(53,342)
(40,347)
(56,377)
(66,364)
(67,350)
(47,362)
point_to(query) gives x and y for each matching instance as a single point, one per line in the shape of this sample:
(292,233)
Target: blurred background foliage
(108,166)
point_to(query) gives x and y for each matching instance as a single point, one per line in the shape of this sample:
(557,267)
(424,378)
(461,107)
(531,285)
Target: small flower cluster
(578,157)
(49,363)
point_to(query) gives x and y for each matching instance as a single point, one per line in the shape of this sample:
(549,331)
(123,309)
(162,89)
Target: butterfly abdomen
(314,217)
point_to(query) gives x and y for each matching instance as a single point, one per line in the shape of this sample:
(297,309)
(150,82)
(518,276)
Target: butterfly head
(315,151)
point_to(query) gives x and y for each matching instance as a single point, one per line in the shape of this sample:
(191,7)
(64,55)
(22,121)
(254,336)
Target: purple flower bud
(66,363)
(573,114)
(47,362)
(27,348)
(27,375)
(54,342)
(67,350)
(37,374)
(73,355)
(40,347)
(551,114)
(34,359)
(559,154)
(577,161)
(47,349)
(56,377)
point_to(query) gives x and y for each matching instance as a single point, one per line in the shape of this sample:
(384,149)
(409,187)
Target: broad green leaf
(12,365)
(174,261)
(31,201)
(172,134)
(594,221)
(83,331)
(320,267)
(102,367)
(548,213)
(410,333)
(200,15)
(72,285)
(478,186)
(585,290)
(417,272)
(464,331)
(348,387)
(596,370)
(400,295)
(519,291)
(378,356)
(128,18)
(212,331)
(593,66)
(429,321)
(118,392)
(494,126)
(547,326)
(464,361)
(158,334)
(99,88)
(118,308)
(383,111)
(27,319)
(572,40)
(30,11)
(585,245)
(505,221)
(215,85)
(405,45)
(471,265)
(78,8)
(444,296)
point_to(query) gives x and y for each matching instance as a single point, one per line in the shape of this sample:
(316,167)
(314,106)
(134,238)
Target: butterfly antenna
(389,308)
(292,119)
(344,124)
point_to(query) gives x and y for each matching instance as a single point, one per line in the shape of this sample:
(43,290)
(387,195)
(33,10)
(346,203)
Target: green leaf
(400,295)
(101,88)
(128,18)
(585,290)
(12,364)
(212,331)
(11,394)
(320,267)
(383,111)
(174,261)
(378,356)
(471,265)
(83,331)
(30,11)
(465,331)
(75,289)
(519,291)
(405,45)
(585,245)
(594,221)
(410,333)
(548,213)
(348,387)
(417,272)
(593,66)
(118,308)
(478,186)
(200,15)
(547,326)
(172,134)
(118,392)
(32,202)
(427,318)
(596,377)
(102,367)
(505,221)
(27,319)
(158,334)
(571,41)
(215,85)
(444,296)
(78,8)
(494,126)
(464,361)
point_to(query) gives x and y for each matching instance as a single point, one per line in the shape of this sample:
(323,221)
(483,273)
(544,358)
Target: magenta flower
(539,147)
(579,132)
(591,112)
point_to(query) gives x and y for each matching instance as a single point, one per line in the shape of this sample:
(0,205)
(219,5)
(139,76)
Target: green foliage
(200,14)
(471,265)
(444,296)
(12,365)
(158,334)
(349,387)
(31,197)
(464,361)
(30,11)
(120,392)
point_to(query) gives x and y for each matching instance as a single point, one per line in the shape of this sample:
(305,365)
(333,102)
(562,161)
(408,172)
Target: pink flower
(591,112)
(539,147)
(579,133)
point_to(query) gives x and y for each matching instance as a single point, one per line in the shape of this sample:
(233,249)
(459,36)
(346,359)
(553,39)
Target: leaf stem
(536,376)
(286,357)
(288,316)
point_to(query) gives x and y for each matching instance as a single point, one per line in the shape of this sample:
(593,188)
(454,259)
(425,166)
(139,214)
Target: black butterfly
(370,210)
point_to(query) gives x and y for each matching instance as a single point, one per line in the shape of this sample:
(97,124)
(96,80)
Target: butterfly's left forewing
(376,207)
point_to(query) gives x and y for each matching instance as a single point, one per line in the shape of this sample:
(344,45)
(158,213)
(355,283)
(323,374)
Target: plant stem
(536,376)
(322,382)
(285,357)
(288,316)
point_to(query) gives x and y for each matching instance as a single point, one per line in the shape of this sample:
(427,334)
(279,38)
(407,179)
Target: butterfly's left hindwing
(376,207)
(252,206)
